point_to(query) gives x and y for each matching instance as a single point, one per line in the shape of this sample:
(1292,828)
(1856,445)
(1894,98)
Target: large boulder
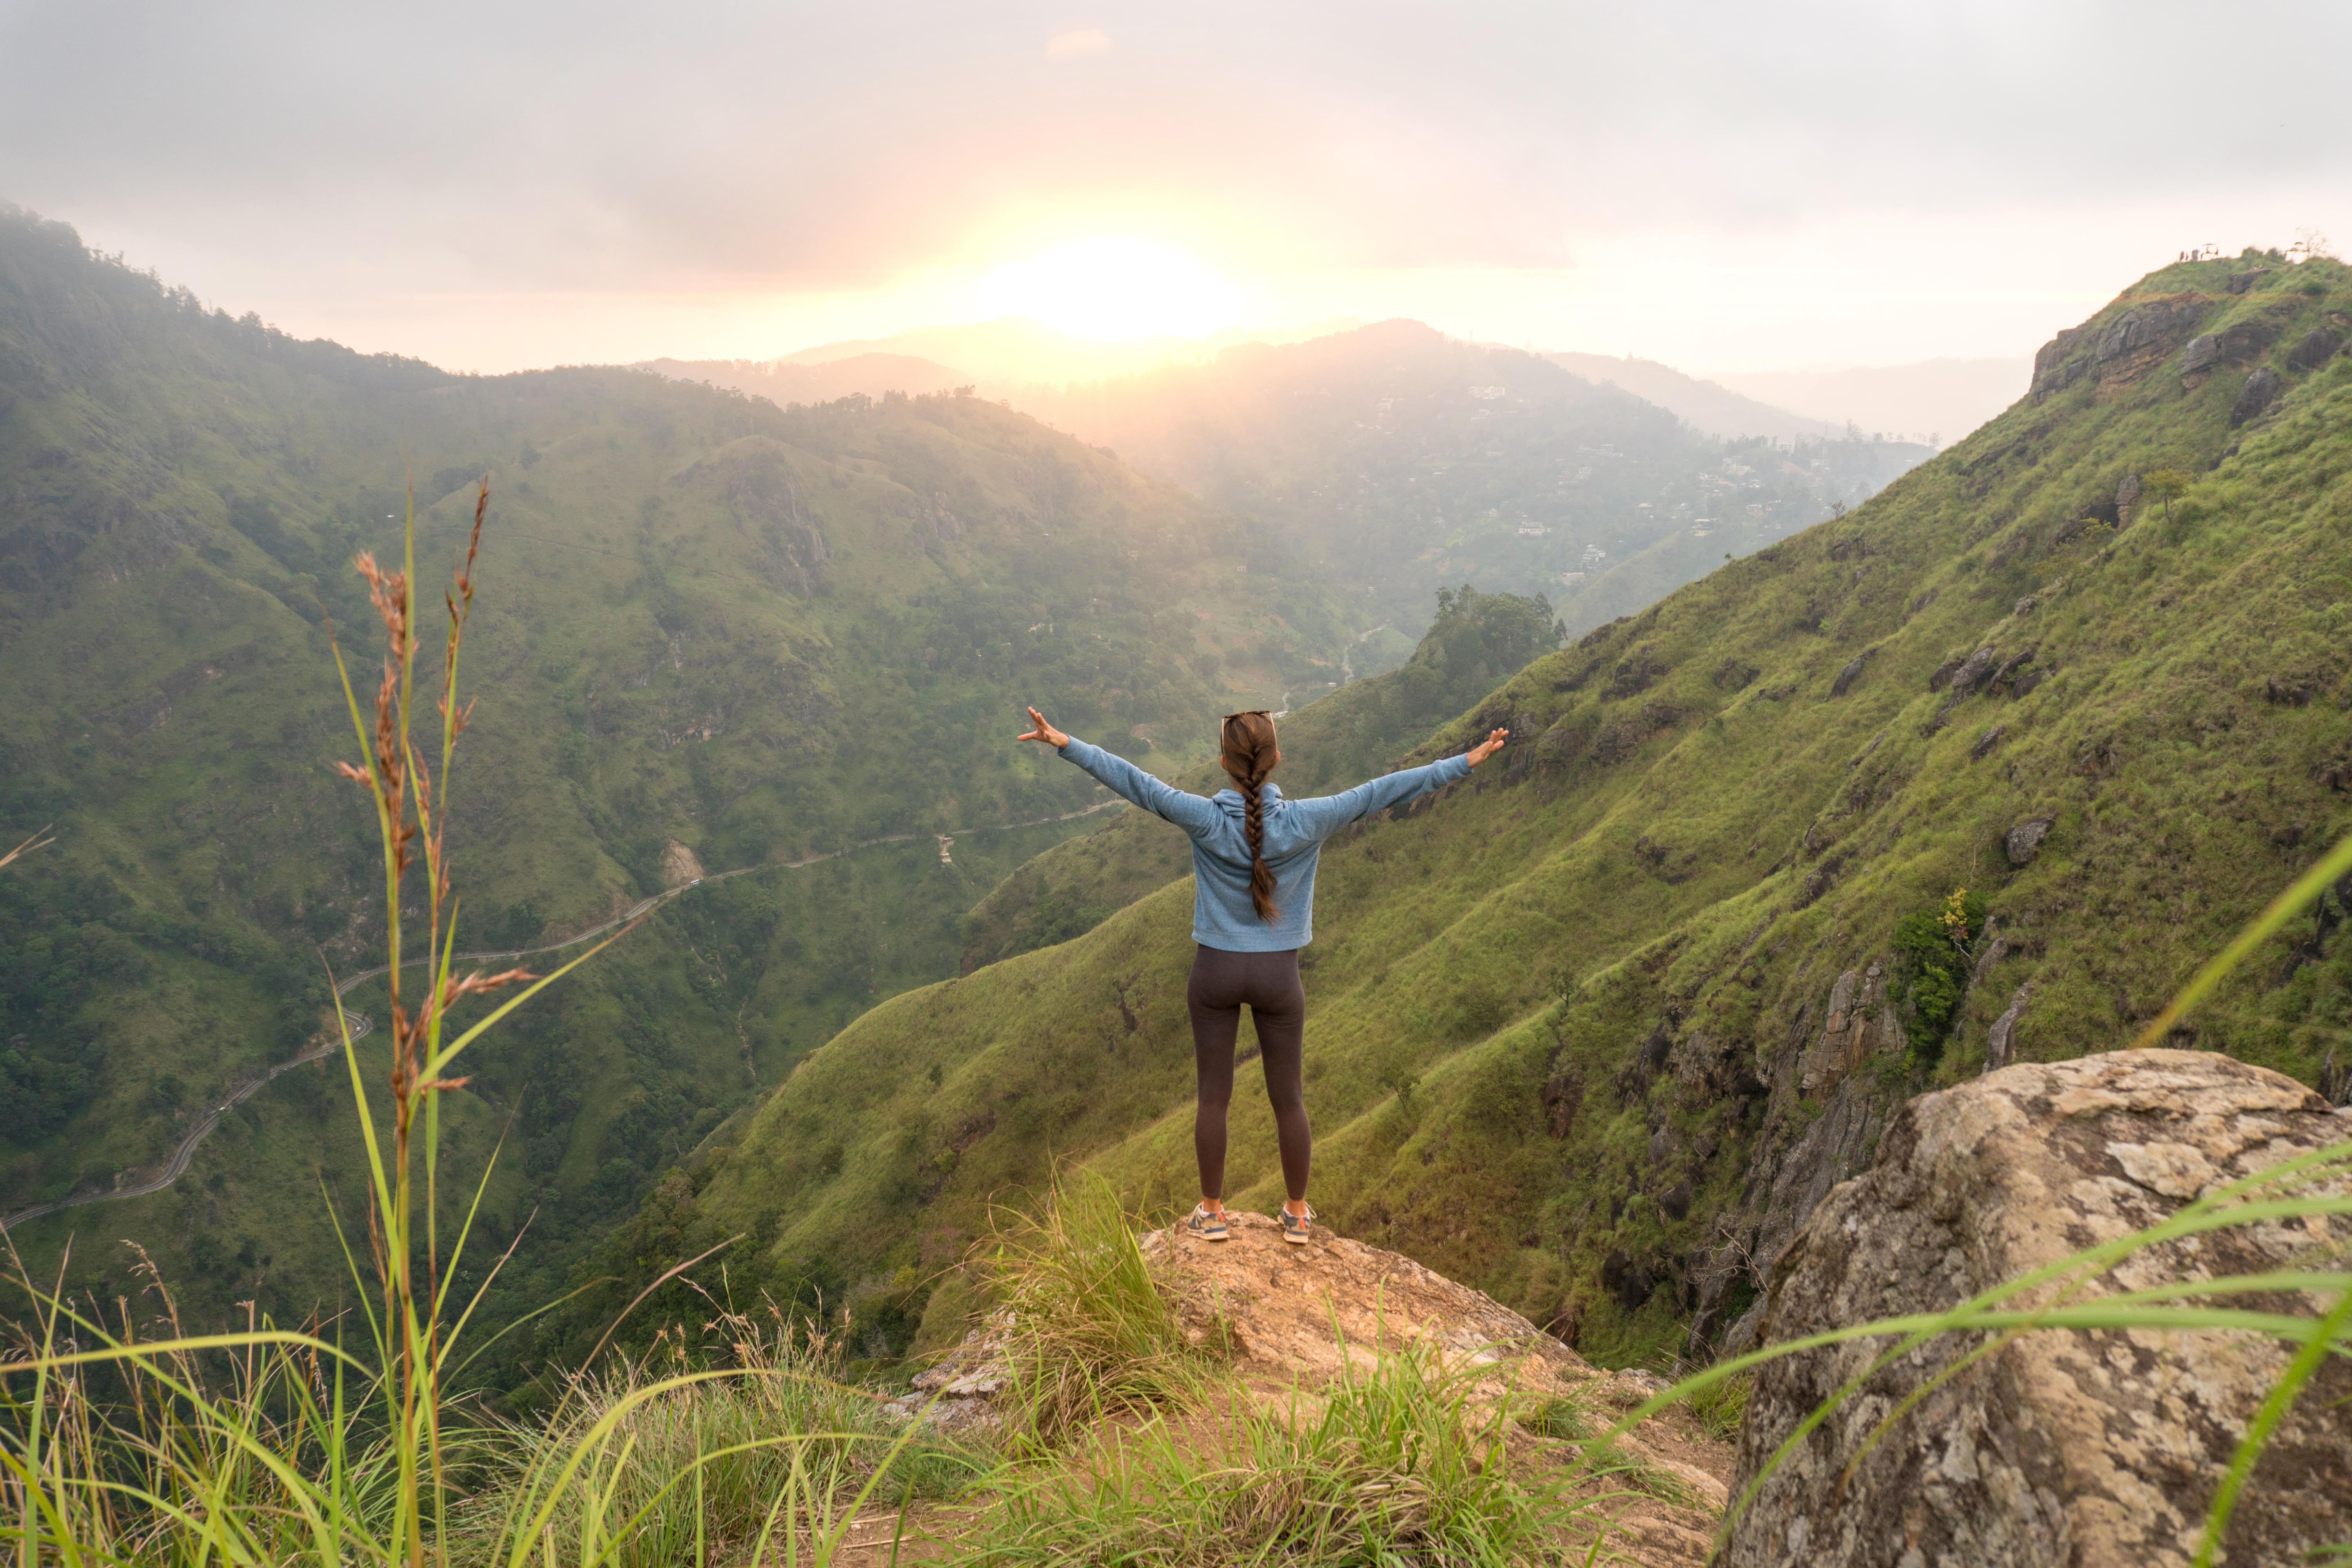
(2088,1449)
(2261,389)
(2318,345)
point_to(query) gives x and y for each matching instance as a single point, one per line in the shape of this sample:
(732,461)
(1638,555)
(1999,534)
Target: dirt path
(361,1024)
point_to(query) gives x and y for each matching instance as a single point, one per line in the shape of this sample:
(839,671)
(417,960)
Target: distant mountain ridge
(786,381)
(1708,405)
(1421,461)
(1016,351)
(1408,459)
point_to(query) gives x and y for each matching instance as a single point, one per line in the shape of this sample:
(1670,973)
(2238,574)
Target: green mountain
(1982,770)
(712,635)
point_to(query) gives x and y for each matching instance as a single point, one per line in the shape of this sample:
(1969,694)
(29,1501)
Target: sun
(1113,290)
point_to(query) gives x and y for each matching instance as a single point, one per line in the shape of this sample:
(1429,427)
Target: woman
(1253,857)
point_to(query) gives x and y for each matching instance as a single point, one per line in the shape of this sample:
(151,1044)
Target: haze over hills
(1940,398)
(1018,351)
(787,382)
(712,634)
(1409,460)
(1424,461)
(1598,1028)
(1707,404)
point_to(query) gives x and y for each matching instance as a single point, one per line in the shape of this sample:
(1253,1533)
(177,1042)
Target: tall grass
(1087,1327)
(125,1439)
(1408,1462)
(696,1473)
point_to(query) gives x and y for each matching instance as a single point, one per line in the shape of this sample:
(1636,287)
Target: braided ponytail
(1249,755)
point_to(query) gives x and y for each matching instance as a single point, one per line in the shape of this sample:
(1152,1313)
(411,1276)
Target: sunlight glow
(1114,289)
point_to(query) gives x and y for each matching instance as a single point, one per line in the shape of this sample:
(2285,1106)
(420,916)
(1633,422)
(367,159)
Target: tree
(1488,635)
(2167,483)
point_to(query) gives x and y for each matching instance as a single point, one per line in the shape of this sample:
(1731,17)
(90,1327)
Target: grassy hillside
(711,632)
(1596,1028)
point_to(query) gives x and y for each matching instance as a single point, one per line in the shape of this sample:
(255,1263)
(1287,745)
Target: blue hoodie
(1222,916)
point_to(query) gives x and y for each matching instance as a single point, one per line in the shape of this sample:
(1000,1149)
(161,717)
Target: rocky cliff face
(2061,1446)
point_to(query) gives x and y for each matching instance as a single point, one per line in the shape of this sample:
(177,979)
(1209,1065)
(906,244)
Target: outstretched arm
(1328,815)
(1188,812)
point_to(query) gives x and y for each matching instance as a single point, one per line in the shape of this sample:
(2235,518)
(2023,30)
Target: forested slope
(710,631)
(1596,1028)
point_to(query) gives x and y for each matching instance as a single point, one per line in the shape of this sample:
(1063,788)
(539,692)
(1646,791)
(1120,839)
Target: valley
(1643,990)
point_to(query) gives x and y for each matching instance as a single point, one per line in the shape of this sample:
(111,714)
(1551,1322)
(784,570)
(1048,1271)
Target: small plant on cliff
(2170,484)
(1932,949)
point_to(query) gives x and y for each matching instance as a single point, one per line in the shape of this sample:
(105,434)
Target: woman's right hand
(1045,734)
(1492,743)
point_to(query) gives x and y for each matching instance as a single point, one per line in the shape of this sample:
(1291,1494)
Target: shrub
(1933,951)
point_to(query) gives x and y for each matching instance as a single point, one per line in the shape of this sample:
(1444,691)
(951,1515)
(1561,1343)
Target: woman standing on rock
(1253,856)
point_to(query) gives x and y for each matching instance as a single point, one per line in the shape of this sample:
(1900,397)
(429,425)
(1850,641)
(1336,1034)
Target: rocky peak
(2058,1448)
(1292,1319)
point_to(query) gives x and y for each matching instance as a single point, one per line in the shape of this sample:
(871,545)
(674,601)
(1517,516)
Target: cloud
(265,150)
(1077,41)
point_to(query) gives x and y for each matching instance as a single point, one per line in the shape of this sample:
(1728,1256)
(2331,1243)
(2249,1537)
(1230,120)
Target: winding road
(361,1023)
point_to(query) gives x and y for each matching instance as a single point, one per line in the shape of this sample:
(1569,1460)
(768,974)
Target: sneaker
(1208,1226)
(1294,1225)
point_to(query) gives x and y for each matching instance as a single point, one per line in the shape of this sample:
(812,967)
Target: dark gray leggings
(1268,981)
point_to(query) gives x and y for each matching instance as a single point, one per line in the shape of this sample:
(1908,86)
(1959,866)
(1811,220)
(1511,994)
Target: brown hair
(1249,754)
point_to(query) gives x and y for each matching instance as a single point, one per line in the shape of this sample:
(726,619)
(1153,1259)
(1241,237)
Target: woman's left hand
(1492,743)
(1043,732)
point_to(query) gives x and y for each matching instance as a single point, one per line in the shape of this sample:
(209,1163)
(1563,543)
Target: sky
(1725,187)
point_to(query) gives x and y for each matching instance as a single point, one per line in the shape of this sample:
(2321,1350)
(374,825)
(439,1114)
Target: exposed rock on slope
(2063,1448)
(1294,1317)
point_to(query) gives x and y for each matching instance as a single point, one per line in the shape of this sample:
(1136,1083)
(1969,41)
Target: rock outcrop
(2000,1041)
(1292,1318)
(2317,347)
(2129,346)
(1284,1310)
(2093,1450)
(2261,389)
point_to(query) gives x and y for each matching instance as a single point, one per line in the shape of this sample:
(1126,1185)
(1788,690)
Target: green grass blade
(2282,908)
(2317,1345)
